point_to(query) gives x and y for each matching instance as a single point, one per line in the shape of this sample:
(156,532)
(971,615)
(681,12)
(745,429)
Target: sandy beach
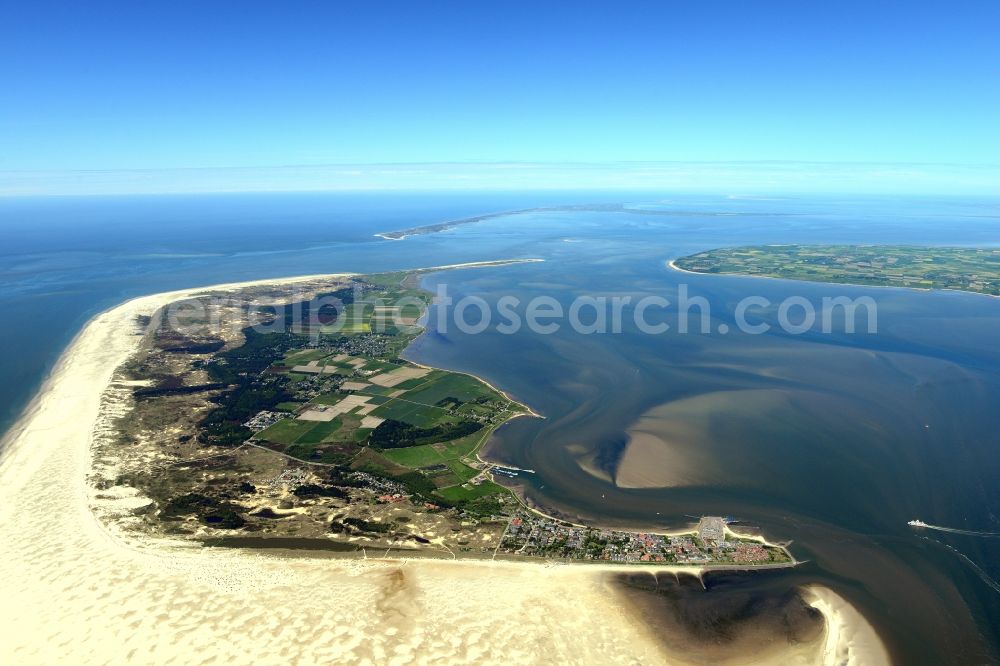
(78,592)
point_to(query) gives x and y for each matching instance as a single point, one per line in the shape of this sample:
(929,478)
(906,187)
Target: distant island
(449,224)
(593,208)
(957,268)
(267,421)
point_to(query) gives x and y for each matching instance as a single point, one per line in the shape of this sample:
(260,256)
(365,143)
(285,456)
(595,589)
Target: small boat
(917,523)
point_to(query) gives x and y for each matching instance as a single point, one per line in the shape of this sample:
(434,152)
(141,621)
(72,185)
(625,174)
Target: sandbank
(849,638)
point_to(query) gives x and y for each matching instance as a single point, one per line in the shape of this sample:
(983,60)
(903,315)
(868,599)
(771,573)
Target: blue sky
(206,85)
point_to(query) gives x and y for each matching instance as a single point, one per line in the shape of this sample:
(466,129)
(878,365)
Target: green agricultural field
(416,456)
(303,356)
(461,470)
(378,390)
(965,269)
(286,431)
(401,285)
(392,280)
(351,327)
(445,452)
(380,366)
(451,385)
(416,382)
(422,416)
(370,459)
(445,480)
(439,398)
(448,482)
(477,409)
(328,454)
(466,446)
(464,494)
(353,319)
(410,310)
(328,398)
(320,432)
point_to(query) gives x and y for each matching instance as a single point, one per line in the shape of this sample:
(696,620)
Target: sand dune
(76,592)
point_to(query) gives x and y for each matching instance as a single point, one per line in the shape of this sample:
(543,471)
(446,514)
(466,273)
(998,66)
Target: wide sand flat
(74,592)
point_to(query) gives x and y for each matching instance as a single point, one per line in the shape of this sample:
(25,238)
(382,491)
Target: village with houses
(711,543)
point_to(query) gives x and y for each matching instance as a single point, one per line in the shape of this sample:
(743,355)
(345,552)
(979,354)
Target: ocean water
(64,259)
(831,440)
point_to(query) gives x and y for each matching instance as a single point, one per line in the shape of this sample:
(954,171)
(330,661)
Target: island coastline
(672,264)
(45,460)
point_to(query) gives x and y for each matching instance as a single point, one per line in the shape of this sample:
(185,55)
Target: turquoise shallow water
(832,440)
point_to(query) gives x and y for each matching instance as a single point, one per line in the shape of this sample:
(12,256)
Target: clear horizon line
(538,163)
(722,177)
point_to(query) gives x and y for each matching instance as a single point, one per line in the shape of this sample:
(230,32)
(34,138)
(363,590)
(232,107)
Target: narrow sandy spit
(74,591)
(849,638)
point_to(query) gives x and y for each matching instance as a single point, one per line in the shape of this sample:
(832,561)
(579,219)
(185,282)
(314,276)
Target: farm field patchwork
(959,268)
(350,400)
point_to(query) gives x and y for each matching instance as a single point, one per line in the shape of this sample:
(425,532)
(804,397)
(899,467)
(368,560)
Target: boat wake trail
(953,530)
(975,567)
